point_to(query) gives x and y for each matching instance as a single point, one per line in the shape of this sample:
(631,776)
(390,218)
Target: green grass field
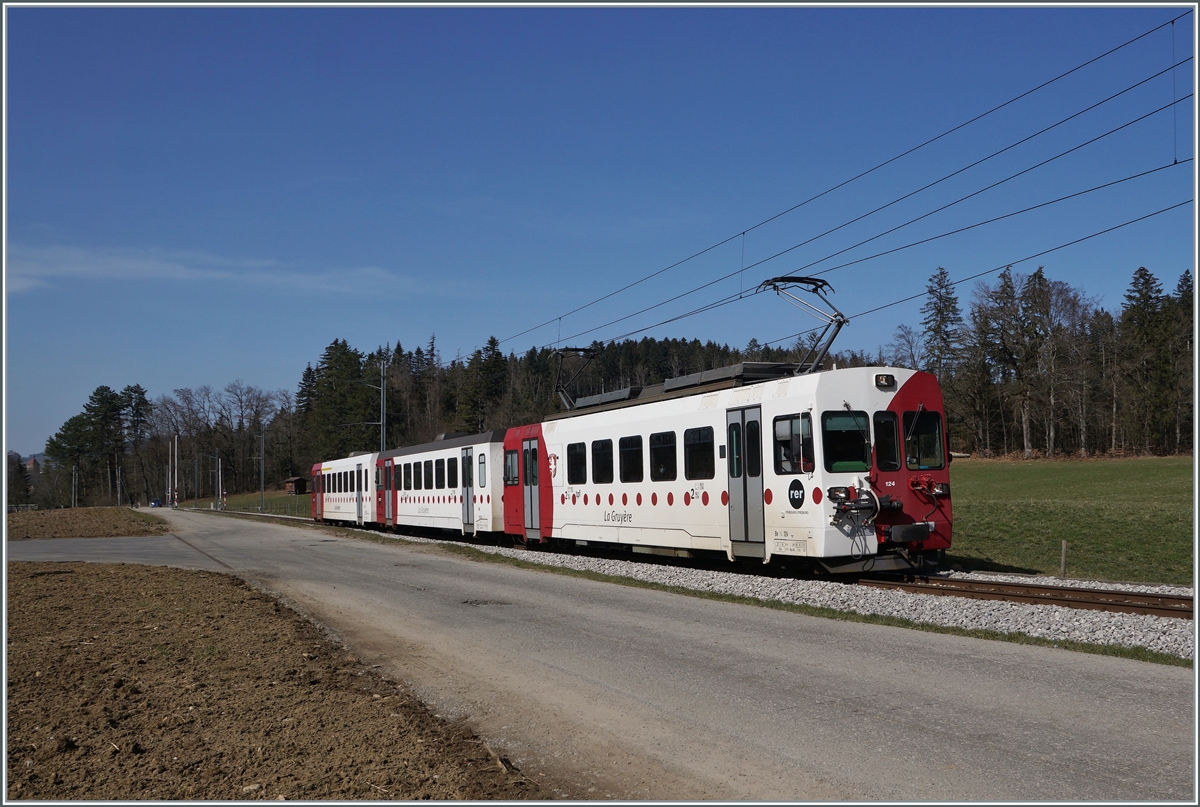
(1128,519)
(278,502)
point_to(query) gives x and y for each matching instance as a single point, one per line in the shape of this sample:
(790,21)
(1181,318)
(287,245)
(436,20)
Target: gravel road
(645,694)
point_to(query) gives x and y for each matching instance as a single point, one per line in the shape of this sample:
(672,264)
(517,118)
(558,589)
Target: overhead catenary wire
(980,162)
(993,220)
(1001,267)
(856,177)
(737,296)
(1047,161)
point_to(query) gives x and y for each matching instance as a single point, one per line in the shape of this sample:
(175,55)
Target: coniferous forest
(1030,367)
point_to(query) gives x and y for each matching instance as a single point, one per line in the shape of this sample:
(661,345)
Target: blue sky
(202,195)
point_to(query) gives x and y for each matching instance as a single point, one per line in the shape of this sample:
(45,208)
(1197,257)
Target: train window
(602,462)
(378,477)
(753,448)
(847,441)
(408,485)
(577,464)
(417,476)
(512,468)
(452,473)
(631,458)
(923,445)
(531,467)
(439,474)
(789,446)
(427,472)
(735,450)
(482,471)
(887,441)
(807,453)
(698,461)
(662,457)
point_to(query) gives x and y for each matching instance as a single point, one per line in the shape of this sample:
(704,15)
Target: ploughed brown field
(140,682)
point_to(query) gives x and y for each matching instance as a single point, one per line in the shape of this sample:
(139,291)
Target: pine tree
(20,486)
(941,326)
(1180,353)
(1144,338)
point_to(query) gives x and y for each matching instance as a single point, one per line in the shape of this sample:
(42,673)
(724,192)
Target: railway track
(1089,598)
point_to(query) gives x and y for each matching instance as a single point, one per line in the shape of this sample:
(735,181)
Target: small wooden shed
(295,485)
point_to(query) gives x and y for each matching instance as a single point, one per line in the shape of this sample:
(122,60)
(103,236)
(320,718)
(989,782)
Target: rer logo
(796,494)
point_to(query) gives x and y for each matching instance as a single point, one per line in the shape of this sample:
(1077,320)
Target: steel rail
(1132,602)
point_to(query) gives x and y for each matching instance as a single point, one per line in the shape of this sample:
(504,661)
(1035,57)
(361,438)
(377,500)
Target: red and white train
(847,467)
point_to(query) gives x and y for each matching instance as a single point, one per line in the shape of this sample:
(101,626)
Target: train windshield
(887,441)
(847,441)
(923,444)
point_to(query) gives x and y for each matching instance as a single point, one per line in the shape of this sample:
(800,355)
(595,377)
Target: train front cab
(528,498)
(863,487)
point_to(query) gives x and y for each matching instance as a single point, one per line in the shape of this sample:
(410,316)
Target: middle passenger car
(452,483)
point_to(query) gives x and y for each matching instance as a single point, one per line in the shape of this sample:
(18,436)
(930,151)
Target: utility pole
(262,468)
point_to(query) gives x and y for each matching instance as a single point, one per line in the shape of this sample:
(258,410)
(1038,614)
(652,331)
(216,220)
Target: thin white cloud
(29,269)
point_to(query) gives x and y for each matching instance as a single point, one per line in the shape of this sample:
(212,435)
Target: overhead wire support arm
(561,388)
(833,322)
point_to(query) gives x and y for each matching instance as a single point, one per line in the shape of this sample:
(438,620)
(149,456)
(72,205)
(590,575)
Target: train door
(468,491)
(529,482)
(743,432)
(358,493)
(388,487)
(318,494)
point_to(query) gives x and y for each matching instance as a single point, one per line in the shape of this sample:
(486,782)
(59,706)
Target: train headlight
(885,380)
(940,489)
(838,494)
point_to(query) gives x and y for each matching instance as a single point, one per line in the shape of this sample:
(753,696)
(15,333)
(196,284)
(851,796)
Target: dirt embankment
(138,682)
(83,522)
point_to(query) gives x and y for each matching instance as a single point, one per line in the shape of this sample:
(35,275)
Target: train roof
(735,375)
(449,441)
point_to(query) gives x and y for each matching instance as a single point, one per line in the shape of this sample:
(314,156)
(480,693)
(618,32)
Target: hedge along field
(1126,519)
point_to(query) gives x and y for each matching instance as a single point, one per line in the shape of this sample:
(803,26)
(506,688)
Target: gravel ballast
(1169,635)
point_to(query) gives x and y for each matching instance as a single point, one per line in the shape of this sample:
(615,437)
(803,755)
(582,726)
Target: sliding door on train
(529,481)
(358,492)
(744,460)
(468,492)
(388,494)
